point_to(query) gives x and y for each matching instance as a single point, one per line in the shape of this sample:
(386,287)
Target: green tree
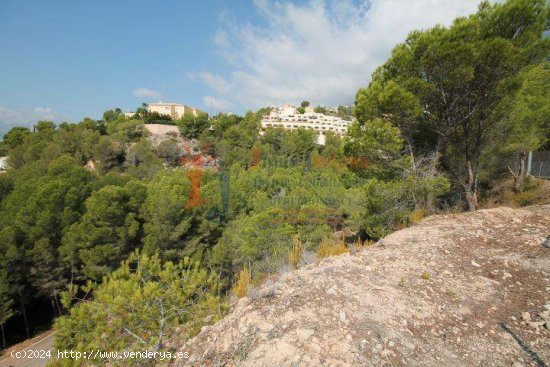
(298,144)
(320,109)
(35,215)
(460,74)
(142,161)
(14,267)
(158,118)
(378,143)
(522,120)
(112,114)
(79,140)
(6,305)
(261,240)
(107,233)
(143,305)
(386,205)
(6,185)
(170,150)
(16,136)
(173,227)
(108,154)
(396,104)
(46,273)
(42,126)
(192,126)
(126,132)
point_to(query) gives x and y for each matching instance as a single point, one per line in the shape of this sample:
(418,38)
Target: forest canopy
(99,218)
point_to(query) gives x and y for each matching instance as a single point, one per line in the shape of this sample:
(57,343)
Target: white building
(174,110)
(288,118)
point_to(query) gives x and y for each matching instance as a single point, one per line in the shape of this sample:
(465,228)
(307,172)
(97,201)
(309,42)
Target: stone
(475,264)
(304,334)
(342,316)
(526,316)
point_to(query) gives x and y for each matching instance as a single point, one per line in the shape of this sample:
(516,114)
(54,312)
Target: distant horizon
(212,56)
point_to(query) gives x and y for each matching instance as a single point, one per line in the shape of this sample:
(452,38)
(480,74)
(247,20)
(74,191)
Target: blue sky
(65,60)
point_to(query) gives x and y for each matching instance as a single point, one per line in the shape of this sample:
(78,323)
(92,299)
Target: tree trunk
(518,180)
(24,312)
(470,188)
(3,337)
(434,168)
(57,304)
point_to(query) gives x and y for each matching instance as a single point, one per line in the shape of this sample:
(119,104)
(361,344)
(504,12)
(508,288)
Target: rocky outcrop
(471,289)
(191,156)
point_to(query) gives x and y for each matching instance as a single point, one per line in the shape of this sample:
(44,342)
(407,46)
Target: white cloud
(217,104)
(43,110)
(221,39)
(27,116)
(10,117)
(146,93)
(319,51)
(215,82)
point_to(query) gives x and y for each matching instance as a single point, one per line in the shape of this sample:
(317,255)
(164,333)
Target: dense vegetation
(96,221)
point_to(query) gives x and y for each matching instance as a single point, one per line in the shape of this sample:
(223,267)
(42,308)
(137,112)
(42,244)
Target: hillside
(470,289)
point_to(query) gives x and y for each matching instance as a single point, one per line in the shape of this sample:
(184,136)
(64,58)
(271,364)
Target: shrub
(240,289)
(295,253)
(417,215)
(327,249)
(388,206)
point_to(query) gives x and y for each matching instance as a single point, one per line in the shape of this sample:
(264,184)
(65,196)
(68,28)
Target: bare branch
(135,336)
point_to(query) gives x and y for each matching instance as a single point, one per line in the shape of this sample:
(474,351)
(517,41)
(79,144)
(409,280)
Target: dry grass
(535,191)
(295,253)
(417,215)
(240,289)
(359,245)
(327,249)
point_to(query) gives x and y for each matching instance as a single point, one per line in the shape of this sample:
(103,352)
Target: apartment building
(287,117)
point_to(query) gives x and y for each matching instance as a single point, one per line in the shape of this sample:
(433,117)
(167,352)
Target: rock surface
(484,303)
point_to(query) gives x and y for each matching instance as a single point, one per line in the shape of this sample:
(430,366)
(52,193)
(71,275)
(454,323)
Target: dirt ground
(470,289)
